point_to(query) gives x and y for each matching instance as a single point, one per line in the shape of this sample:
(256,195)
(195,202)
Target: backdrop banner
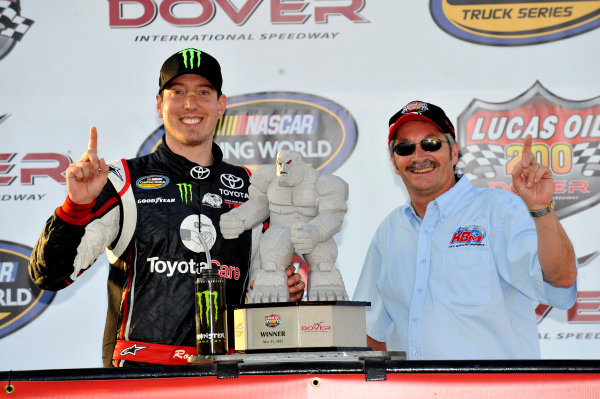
(321,77)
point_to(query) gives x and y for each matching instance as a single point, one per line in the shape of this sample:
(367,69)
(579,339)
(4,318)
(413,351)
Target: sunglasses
(428,145)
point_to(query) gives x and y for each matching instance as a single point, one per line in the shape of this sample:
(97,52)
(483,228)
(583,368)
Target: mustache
(422,165)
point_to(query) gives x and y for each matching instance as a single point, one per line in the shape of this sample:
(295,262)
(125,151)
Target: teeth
(424,170)
(190,121)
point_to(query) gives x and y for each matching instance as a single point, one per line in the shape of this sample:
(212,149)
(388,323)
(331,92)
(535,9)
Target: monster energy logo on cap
(191,61)
(185,189)
(191,54)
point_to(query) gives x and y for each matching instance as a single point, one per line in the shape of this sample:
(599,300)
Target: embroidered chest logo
(199,172)
(231,181)
(185,190)
(468,236)
(112,169)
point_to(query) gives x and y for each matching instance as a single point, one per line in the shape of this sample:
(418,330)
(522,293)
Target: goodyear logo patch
(21,301)
(152,182)
(513,22)
(256,127)
(566,139)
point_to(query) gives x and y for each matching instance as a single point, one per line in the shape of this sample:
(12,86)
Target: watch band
(545,211)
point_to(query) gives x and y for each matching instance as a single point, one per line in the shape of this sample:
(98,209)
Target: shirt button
(414,319)
(420,291)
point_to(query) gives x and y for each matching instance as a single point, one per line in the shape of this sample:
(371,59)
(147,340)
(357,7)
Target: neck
(420,206)
(419,199)
(199,153)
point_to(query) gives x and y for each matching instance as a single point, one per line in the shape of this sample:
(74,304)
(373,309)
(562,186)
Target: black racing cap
(421,111)
(193,61)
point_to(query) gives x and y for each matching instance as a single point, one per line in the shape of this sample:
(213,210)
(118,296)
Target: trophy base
(300,326)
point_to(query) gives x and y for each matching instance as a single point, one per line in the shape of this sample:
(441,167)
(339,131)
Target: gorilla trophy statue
(305,210)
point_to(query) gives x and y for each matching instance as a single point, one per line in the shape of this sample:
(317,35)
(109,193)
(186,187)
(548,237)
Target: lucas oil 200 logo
(566,139)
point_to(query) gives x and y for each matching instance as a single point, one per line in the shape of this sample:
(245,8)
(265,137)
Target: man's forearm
(555,251)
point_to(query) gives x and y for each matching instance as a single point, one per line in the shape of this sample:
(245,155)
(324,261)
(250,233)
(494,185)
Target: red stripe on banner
(328,386)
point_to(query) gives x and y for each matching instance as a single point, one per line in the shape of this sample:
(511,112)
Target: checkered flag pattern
(588,154)
(12,24)
(481,161)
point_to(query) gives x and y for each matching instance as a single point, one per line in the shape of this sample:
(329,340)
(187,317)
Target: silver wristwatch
(545,211)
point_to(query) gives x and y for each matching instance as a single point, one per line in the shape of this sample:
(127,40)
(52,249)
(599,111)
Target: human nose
(191,99)
(419,151)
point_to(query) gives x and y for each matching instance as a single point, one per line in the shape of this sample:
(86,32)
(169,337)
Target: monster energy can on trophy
(211,314)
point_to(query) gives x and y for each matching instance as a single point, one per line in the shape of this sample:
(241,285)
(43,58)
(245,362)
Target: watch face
(545,211)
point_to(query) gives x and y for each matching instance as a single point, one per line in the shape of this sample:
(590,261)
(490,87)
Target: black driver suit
(148,217)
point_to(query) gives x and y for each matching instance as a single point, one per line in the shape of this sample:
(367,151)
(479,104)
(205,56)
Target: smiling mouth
(424,167)
(190,121)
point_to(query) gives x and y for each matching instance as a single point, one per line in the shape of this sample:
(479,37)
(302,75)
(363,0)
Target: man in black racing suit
(155,214)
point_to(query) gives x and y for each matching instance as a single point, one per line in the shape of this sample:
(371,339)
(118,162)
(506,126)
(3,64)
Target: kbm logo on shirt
(470,235)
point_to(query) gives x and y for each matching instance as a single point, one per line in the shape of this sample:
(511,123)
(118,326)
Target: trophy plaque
(300,326)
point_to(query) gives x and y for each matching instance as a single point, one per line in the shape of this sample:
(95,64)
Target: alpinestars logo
(185,190)
(204,298)
(189,55)
(132,350)
(112,169)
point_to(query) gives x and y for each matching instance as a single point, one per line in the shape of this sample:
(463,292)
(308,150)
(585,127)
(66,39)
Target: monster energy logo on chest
(190,55)
(185,190)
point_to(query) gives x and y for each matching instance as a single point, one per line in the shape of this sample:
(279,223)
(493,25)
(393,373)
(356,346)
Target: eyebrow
(206,85)
(429,136)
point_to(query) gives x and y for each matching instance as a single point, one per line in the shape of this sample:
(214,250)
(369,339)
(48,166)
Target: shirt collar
(452,198)
(182,165)
(447,202)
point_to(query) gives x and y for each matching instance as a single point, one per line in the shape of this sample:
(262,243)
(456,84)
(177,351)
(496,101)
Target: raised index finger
(527,145)
(93,142)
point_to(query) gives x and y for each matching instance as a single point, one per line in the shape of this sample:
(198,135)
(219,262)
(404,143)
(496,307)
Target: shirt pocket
(464,278)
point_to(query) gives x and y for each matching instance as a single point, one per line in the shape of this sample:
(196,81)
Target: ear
(393,159)
(159,101)
(455,150)
(221,105)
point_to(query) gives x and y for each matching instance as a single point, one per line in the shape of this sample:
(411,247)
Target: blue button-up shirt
(462,283)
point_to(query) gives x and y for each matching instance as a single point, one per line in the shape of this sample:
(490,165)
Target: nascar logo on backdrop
(257,126)
(566,139)
(12,25)
(21,301)
(513,22)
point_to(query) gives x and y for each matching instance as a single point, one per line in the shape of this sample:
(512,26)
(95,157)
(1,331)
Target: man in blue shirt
(457,271)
